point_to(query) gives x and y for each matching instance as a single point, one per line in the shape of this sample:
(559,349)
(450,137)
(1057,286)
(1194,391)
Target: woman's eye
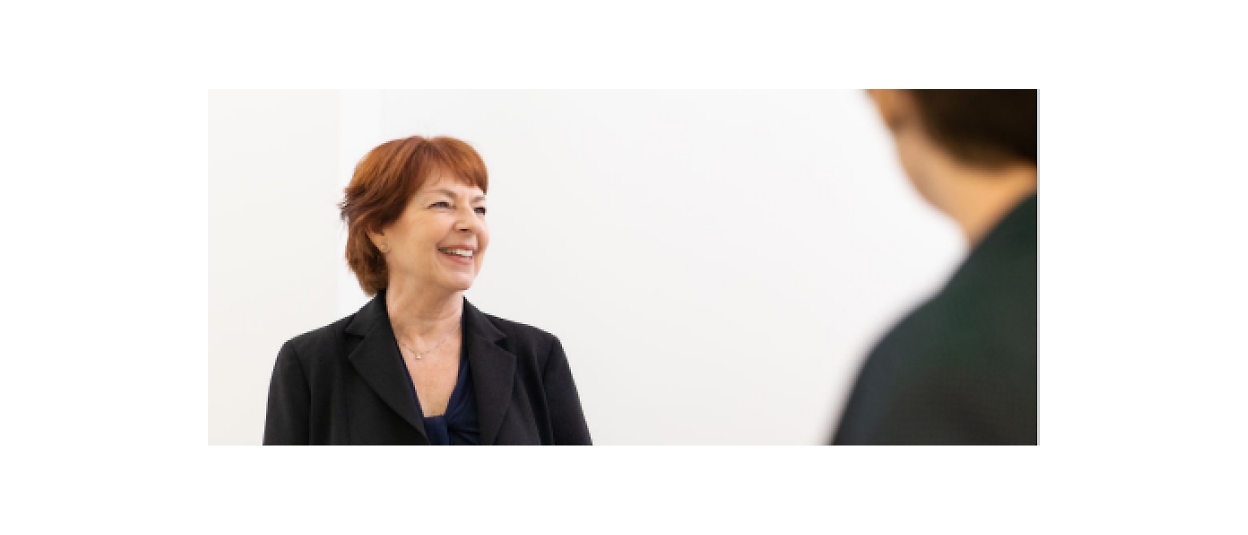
(481,210)
(440,204)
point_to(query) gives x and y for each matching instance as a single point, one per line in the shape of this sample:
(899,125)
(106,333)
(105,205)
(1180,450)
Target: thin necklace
(434,348)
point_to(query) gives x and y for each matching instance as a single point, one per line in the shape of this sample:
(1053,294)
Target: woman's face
(440,239)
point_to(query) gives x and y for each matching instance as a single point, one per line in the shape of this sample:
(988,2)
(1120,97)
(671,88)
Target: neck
(977,199)
(422,311)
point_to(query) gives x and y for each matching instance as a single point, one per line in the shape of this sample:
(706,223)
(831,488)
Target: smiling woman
(395,372)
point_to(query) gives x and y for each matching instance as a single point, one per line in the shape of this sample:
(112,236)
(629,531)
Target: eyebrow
(451,194)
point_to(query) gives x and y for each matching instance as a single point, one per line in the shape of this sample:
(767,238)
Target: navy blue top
(459,425)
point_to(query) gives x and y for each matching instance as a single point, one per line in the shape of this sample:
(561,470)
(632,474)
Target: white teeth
(459,252)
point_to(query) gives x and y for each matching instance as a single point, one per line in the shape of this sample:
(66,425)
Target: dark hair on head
(383,183)
(981,127)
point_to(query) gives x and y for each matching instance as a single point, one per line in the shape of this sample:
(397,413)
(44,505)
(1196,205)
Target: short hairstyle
(981,127)
(385,181)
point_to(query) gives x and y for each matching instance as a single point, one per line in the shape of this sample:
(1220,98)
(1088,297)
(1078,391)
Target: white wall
(271,246)
(359,132)
(717,263)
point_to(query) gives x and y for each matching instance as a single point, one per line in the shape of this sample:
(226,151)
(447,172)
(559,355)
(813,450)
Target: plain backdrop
(107,226)
(717,263)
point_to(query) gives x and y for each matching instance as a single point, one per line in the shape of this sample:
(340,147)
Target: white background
(106,177)
(716,263)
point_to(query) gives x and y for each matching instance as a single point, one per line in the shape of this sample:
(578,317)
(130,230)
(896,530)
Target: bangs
(448,156)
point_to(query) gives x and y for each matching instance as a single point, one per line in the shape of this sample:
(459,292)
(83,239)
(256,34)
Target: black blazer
(960,369)
(345,384)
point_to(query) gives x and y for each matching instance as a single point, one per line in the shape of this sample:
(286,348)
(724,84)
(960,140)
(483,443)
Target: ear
(379,241)
(892,106)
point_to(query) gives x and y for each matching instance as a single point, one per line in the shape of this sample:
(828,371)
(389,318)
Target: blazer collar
(493,371)
(378,361)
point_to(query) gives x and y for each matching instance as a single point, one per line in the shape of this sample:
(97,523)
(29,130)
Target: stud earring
(384,248)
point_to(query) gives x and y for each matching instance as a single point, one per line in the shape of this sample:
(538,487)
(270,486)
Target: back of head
(981,127)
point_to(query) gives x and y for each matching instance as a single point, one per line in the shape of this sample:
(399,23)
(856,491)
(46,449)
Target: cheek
(910,153)
(483,237)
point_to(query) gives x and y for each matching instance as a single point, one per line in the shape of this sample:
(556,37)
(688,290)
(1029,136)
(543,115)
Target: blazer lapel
(378,361)
(493,371)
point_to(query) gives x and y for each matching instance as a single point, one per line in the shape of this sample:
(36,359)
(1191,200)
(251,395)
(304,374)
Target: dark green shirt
(961,368)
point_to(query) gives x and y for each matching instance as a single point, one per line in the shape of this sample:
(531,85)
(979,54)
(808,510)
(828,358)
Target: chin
(459,285)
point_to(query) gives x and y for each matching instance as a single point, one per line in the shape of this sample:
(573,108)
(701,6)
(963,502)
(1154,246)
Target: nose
(468,221)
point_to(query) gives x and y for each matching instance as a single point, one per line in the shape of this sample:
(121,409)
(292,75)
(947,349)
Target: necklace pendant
(418,356)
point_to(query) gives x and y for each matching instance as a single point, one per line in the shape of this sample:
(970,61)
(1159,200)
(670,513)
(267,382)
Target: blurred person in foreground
(961,368)
(419,364)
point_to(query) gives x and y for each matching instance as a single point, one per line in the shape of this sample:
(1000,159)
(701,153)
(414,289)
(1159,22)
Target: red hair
(383,183)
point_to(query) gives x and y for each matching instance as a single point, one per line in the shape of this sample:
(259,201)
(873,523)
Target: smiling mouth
(462,253)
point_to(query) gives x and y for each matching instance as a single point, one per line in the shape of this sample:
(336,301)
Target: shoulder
(911,343)
(961,344)
(521,331)
(962,335)
(965,327)
(538,352)
(317,343)
(536,348)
